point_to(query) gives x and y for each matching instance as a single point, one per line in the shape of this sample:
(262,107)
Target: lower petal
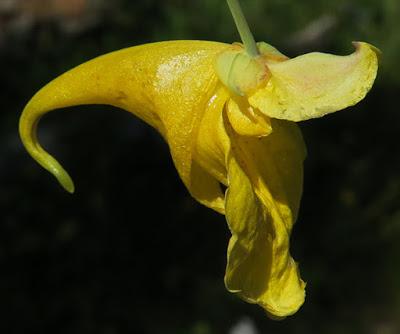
(261,206)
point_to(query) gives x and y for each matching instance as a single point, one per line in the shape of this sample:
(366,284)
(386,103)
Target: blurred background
(131,251)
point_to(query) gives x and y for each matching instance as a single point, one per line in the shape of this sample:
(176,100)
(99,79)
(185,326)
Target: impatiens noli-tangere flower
(228,113)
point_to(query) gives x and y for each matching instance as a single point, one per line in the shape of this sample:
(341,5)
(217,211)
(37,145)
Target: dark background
(131,251)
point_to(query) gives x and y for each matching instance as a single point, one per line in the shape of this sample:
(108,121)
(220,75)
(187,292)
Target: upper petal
(316,84)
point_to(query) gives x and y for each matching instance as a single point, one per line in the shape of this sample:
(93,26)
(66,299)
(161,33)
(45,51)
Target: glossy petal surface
(167,84)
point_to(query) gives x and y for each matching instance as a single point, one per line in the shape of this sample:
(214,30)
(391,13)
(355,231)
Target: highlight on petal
(317,84)
(262,201)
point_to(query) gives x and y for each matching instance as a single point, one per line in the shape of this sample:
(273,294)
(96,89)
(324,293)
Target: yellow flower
(227,113)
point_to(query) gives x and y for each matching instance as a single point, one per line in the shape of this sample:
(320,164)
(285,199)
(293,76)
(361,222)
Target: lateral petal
(316,84)
(261,206)
(246,120)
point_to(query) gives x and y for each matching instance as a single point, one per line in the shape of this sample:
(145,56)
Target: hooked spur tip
(27,128)
(52,165)
(64,179)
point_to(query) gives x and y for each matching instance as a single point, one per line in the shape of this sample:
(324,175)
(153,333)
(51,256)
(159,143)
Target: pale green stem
(243,28)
